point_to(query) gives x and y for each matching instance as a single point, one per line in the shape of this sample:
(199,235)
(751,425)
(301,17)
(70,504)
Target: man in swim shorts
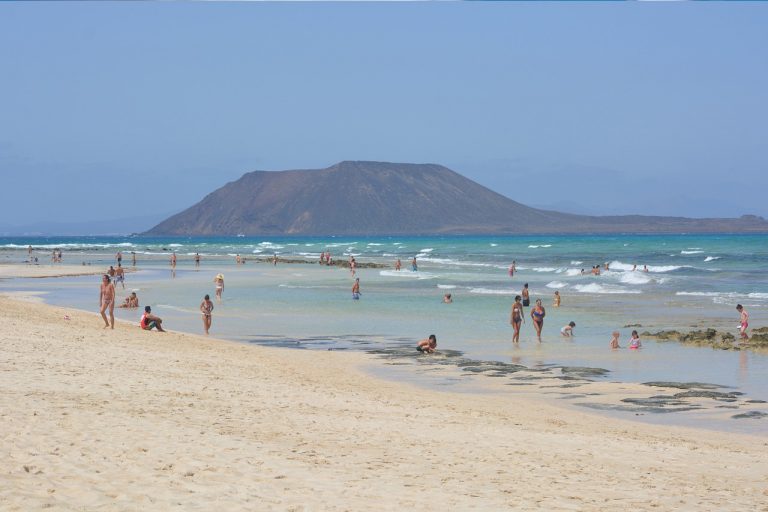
(149,321)
(356,289)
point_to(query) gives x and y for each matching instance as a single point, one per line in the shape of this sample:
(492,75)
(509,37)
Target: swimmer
(537,314)
(744,321)
(526,296)
(398,264)
(615,340)
(356,289)
(516,318)
(634,341)
(645,268)
(556,300)
(206,308)
(512,269)
(131,301)
(414,267)
(107,301)
(447,298)
(567,330)
(427,346)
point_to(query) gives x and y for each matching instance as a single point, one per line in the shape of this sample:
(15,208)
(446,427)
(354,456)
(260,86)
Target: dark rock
(683,385)
(750,415)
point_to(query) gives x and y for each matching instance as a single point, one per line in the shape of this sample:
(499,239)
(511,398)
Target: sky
(115,111)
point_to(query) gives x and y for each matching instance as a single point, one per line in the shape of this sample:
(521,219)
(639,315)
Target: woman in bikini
(219,280)
(537,314)
(516,318)
(107,300)
(206,308)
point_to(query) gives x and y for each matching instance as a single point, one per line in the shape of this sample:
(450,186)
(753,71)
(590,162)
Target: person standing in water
(556,300)
(206,308)
(197,259)
(516,318)
(526,296)
(107,301)
(615,340)
(537,314)
(120,275)
(744,322)
(173,259)
(356,289)
(414,267)
(398,265)
(133,257)
(512,269)
(219,280)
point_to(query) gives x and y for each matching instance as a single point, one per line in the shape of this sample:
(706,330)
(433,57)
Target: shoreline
(561,385)
(98,418)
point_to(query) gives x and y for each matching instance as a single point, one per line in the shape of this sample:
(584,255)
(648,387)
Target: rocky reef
(758,338)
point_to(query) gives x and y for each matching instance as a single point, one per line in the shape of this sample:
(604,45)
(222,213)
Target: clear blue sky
(127,109)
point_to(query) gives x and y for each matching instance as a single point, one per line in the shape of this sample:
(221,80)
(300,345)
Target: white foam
(691,252)
(711,258)
(407,274)
(446,286)
(544,269)
(494,245)
(756,295)
(577,262)
(490,291)
(617,265)
(598,288)
(428,249)
(634,278)
(573,272)
(556,284)
(537,246)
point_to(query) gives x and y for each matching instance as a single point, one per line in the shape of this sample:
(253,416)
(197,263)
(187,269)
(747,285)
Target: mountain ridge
(374,198)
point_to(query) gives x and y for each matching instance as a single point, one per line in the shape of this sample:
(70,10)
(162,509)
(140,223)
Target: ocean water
(693,281)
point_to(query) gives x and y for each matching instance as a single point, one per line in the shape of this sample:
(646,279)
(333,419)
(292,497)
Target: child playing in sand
(615,340)
(427,346)
(634,341)
(567,331)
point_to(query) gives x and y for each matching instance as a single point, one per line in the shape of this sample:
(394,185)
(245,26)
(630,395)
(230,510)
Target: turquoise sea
(693,281)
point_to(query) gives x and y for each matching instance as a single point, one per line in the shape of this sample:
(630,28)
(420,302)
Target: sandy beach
(127,419)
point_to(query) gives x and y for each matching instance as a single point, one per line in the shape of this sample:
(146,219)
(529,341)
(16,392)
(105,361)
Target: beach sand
(95,419)
(22,270)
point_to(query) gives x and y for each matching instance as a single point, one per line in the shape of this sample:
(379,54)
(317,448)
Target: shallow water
(693,282)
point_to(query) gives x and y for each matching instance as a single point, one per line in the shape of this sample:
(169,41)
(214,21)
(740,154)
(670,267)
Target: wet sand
(117,420)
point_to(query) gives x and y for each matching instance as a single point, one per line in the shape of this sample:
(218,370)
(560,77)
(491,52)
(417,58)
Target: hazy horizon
(128,111)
